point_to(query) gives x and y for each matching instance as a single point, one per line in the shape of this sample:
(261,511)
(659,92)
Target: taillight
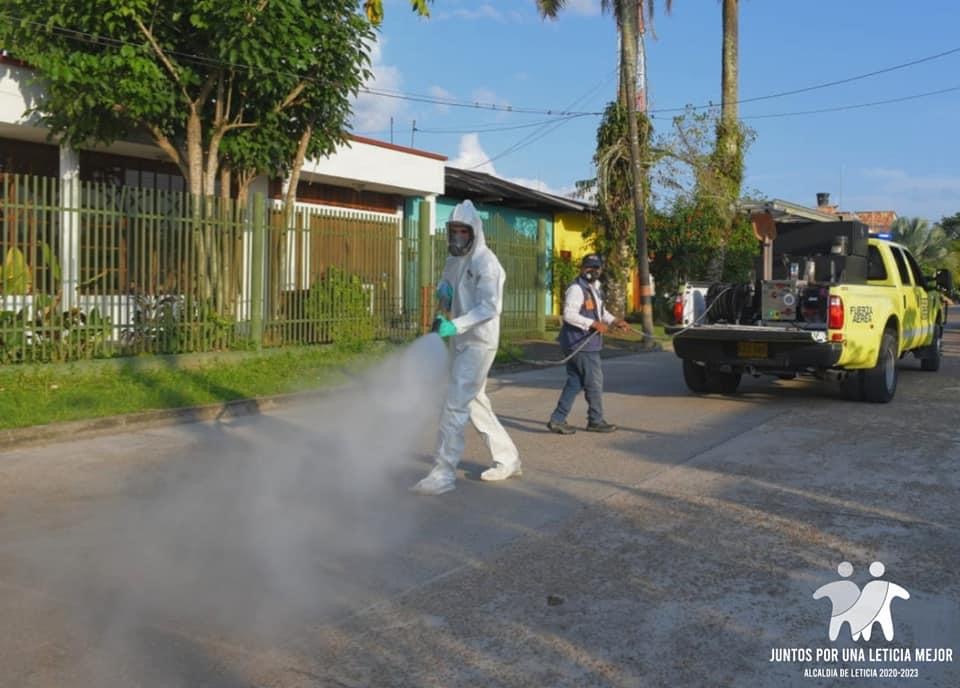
(835,313)
(678,309)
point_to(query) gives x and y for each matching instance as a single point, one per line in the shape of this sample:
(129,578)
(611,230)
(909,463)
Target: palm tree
(928,244)
(627,16)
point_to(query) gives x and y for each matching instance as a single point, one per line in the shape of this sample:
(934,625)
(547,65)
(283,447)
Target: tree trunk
(297,167)
(629,34)
(195,154)
(727,154)
(728,82)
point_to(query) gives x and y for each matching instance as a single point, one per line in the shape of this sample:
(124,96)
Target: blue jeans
(584,372)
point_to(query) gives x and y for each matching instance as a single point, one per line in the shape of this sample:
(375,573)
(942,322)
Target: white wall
(15,98)
(372,167)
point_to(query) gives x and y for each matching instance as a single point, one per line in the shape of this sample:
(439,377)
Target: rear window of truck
(876,270)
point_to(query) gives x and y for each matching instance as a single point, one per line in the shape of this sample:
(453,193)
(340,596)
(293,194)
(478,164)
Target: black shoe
(561,428)
(602,426)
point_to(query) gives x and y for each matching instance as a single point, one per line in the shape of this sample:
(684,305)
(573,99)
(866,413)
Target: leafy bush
(52,335)
(564,271)
(339,305)
(168,324)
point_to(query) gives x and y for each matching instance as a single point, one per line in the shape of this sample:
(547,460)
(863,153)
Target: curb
(108,425)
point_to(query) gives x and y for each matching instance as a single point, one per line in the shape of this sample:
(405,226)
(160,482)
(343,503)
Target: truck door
(912,332)
(925,334)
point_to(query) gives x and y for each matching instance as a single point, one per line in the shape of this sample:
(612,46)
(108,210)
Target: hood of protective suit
(465,213)
(477,280)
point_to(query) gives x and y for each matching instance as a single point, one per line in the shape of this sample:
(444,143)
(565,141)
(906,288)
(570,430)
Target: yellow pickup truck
(830,314)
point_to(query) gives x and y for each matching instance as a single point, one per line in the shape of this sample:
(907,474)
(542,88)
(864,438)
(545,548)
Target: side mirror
(944,280)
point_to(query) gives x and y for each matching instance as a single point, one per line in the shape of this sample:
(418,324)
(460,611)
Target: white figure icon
(861,609)
(844,595)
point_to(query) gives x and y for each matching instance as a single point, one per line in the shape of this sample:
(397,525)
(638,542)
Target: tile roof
(877,220)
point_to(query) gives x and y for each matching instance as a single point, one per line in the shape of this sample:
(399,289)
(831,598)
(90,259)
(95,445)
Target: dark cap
(591,261)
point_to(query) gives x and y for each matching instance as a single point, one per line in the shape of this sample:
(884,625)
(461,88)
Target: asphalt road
(683,550)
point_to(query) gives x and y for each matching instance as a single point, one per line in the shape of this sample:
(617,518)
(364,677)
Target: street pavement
(682,550)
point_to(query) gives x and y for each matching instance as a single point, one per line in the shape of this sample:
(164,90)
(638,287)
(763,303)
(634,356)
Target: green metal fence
(335,275)
(91,270)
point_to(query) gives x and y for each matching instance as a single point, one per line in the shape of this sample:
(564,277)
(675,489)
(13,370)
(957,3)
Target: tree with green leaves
(951,226)
(246,84)
(692,224)
(928,243)
(374,9)
(247,87)
(627,14)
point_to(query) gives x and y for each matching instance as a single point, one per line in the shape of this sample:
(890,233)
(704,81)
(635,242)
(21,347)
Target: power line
(488,128)
(545,129)
(449,102)
(828,84)
(840,108)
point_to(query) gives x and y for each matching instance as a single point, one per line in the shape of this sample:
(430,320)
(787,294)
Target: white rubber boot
(502,471)
(438,481)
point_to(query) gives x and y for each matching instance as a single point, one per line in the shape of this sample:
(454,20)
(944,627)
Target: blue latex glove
(444,327)
(444,295)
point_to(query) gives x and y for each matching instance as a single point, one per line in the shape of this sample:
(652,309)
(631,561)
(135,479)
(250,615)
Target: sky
(902,156)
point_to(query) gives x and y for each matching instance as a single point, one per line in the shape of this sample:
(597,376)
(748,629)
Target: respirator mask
(590,267)
(459,238)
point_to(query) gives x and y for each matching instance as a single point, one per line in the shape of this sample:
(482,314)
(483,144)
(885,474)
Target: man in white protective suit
(471,291)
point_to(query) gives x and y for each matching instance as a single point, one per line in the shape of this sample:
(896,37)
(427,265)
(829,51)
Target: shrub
(340,306)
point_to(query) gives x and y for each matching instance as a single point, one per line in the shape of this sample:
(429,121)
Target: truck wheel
(724,383)
(852,385)
(880,382)
(696,377)
(931,361)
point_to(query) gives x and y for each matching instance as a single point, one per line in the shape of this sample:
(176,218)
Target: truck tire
(723,383)
(696,377)
(880,382)
(931,360)
(702,380)
(852,385)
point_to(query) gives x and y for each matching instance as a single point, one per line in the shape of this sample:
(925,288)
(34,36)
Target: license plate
(751,349)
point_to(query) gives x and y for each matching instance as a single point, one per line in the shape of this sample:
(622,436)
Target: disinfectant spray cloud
(254,528)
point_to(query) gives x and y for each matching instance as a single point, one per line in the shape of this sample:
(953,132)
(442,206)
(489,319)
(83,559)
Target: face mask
(591,275)
(458,244)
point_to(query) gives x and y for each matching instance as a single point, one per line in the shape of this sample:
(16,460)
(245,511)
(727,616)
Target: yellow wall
(568,236)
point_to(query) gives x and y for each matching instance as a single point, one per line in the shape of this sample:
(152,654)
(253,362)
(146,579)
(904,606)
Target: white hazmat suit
(476,279)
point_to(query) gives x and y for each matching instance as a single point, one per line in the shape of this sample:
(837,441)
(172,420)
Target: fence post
(69,227)
(258,227)
(542,276)
(425,265)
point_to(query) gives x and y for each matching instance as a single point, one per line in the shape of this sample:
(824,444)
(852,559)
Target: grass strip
(66,392)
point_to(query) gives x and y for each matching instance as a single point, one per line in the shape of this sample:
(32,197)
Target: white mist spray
(263,526)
